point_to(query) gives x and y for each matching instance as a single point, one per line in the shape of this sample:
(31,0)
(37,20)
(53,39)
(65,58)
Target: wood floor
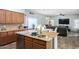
(69,42)
(9,46)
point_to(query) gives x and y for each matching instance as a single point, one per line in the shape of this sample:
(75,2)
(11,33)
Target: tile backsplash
(12,26)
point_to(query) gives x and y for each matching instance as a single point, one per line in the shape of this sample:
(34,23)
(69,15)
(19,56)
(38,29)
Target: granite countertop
(28,33)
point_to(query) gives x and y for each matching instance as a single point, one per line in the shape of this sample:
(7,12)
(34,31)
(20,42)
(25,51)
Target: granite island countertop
(46,38)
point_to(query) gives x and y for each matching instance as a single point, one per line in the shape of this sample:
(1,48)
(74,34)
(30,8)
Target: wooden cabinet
(28,43)
(8,17)
(17,18)
(2,16)
(20,18)
(31,43)
(11,17)
(3,34)
(41,42)
(11,36)
(8,37)
(38,46)
(14,17)
(3,38)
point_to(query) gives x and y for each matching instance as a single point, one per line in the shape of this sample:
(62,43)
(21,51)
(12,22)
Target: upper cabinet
(2,16)
(11,17)
(14,17)
(8,17)
(17,17)
(20,17)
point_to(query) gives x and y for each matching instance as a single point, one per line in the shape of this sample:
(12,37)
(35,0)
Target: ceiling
(51,12)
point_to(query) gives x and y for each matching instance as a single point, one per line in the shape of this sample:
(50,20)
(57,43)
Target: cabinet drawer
(2,40)
(10,33)
(28,38)
(28,44)
(3,34)
(39,41)
(38,46)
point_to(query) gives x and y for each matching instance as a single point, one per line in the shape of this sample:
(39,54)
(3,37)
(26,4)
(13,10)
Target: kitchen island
(44,41)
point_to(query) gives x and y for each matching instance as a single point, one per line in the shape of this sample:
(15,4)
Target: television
(63,21)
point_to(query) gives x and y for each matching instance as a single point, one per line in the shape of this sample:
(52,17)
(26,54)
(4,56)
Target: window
(32,22)
(76,23)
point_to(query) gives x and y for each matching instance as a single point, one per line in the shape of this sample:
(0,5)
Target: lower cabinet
(3,38)
(3,41)
(32,43)
(11,36)
(7,37)
(38,46)
(26,42)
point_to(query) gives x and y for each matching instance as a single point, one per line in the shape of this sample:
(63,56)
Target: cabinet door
(3,38)
(17,18)
(20,18)
(11,37)
(41,42)
(38,46)
(14,17)
(8,17)
(3,34)
(2,16)
(28,43)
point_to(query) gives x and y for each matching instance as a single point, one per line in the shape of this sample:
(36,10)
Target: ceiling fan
(31,13)
(62,14)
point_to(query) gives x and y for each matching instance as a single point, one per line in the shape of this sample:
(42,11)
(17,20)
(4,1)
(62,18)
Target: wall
(41,18)
(71,17)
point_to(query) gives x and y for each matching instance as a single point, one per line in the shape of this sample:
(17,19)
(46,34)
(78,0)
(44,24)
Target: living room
(68,18)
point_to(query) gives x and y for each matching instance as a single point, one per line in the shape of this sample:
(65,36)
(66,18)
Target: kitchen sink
(41,36)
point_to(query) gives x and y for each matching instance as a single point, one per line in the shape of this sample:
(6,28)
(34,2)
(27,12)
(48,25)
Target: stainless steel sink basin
(41,36)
